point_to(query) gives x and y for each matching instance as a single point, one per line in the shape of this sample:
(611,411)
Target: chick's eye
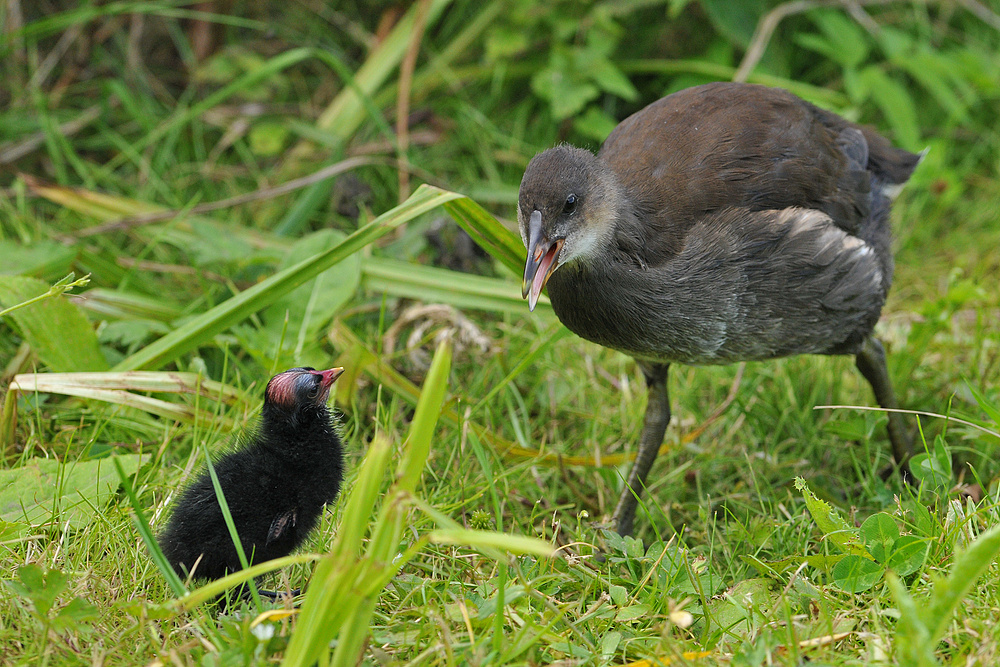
(570,204)
(308,386)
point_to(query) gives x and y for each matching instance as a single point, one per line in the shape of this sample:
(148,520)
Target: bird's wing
(798,282)
(281,525)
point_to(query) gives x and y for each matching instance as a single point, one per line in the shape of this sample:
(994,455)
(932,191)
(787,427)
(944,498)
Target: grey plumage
(725,296)
(722,223)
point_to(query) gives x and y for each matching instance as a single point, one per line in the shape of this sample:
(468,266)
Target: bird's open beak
(329,377)
(543,258)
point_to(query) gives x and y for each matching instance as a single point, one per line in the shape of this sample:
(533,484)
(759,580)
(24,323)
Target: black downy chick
(275,484)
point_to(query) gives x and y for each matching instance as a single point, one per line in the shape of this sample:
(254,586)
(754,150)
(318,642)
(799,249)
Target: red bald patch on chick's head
(281,388)
(298,387)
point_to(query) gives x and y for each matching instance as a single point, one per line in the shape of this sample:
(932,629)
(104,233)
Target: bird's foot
(280,596)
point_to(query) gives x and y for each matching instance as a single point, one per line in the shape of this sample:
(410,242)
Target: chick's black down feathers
(275,484)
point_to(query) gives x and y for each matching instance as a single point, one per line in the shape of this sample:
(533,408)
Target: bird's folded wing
(281,525)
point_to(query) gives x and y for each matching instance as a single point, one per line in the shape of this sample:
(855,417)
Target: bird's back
(723,145)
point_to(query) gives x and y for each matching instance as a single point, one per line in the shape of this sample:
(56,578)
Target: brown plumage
(722,223)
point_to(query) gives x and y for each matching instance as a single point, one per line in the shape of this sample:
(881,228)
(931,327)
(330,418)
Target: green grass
(731,564)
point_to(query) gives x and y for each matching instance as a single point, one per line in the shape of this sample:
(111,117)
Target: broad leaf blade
(44,490)
(879,532)
(908,554)
(46,259)
(58,332)
(855,574)
(831,523)
(201,329)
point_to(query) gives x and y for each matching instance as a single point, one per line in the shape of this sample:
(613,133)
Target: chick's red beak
(543,259)
(329,377)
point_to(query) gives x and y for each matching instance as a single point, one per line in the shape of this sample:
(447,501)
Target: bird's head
(299,388)
(566,209)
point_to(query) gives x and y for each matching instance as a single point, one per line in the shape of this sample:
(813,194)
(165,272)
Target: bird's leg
(871,362)
(653,428)
(243,594)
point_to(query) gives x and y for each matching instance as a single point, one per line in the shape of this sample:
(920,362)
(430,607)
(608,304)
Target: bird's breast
(746,286)
(630,310)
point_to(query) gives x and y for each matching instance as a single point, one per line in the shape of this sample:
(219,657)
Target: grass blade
(202,328)
(346,112)
(418,443)
(146,533)
(253,77)
(212,590)
(484,539)
(434,285)
(332,583)
(968,567)
(362,499)
(501,243)
(230,524)
(117,388)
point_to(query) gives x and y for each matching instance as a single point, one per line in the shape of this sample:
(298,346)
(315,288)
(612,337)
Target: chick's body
(275,485)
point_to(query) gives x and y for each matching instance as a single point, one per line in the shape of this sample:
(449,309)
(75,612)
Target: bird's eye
(570,204)
(314,392)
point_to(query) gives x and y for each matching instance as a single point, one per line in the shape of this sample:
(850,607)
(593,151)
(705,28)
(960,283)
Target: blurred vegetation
(231,176)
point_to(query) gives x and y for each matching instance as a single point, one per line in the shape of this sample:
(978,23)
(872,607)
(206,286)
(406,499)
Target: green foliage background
(132,133)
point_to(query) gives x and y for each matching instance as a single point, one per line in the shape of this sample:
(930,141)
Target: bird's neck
(304,434)
(636,233)
(589,299)
(614,229)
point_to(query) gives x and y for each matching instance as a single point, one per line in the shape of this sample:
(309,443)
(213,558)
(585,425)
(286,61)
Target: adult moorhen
(722,223)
